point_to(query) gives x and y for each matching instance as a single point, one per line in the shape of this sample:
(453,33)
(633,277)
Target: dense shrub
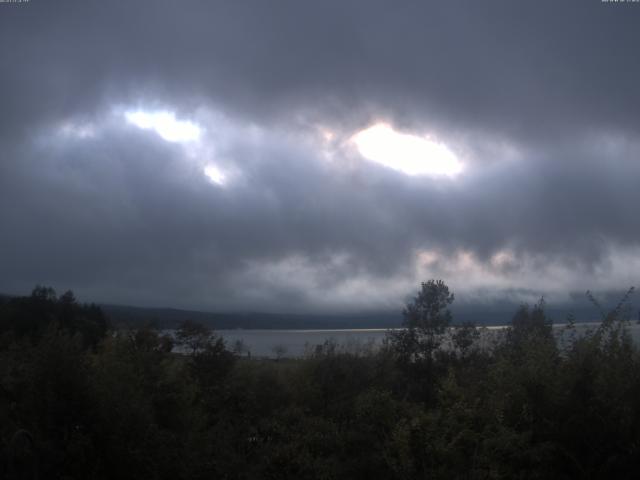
(79,401)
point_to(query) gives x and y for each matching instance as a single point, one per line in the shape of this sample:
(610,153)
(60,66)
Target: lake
(296,343)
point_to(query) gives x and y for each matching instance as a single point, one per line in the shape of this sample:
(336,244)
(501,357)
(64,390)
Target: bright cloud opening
(165,124)
(410,154)
(214,174)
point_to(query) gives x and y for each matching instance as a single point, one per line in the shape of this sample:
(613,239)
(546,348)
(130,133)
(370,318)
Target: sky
(298,156)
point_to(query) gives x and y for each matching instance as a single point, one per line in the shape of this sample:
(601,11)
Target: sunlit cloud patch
(214,174)
(409,154)
(165,124)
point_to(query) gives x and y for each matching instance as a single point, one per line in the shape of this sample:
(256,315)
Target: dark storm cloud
(508,66)
(124,211)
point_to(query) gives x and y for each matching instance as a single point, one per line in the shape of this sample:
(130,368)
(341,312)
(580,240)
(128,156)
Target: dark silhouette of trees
(193,336)
(426,319)
(529,323)
(464,337)
(31,316)
(78,401)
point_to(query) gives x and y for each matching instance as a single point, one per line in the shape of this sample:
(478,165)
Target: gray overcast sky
(205,154)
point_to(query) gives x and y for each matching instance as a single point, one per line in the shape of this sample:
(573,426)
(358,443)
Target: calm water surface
(296,343)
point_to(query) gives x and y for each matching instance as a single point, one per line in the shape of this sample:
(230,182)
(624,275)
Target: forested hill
(171,317)
(487,313)
(495,313)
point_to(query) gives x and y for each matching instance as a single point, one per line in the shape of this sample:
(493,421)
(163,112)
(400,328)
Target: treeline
(79,400)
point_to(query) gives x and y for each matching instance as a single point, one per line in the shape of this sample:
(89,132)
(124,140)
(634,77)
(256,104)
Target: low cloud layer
(537,101)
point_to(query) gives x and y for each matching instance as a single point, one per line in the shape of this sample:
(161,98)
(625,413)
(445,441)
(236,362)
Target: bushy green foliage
(80,402)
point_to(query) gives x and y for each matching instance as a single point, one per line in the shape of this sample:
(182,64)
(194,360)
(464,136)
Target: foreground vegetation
(80,401)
